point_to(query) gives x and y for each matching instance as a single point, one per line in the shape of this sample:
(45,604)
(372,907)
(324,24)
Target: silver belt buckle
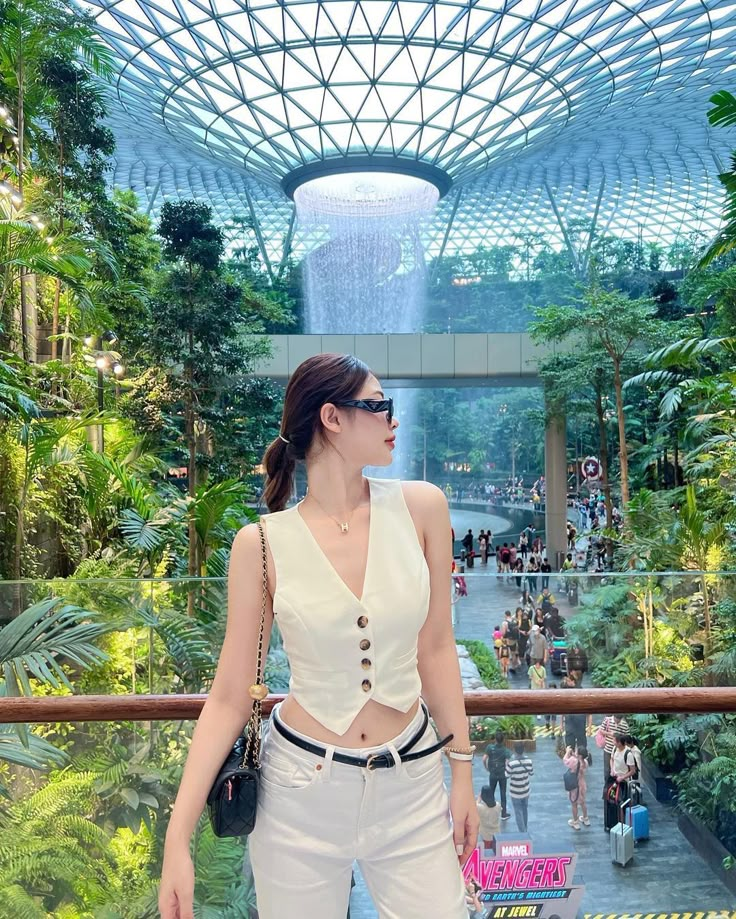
(369,762)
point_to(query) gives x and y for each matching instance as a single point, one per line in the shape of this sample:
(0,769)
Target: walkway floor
(666,875)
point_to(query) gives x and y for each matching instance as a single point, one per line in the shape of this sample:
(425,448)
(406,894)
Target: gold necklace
(344,526)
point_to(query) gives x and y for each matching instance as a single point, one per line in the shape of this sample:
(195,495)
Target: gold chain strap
(258,691)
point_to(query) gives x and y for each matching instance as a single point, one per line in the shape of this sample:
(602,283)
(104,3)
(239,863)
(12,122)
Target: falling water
(368,275)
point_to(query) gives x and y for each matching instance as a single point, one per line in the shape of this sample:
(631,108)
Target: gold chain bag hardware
(233,798)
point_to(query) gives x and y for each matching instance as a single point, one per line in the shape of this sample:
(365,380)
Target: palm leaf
(33,643)
(687,350)
(142,534)
(724,112)
(37,754)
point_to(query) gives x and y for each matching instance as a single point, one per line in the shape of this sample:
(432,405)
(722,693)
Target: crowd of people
(510,770)
(523,641)
(511,491)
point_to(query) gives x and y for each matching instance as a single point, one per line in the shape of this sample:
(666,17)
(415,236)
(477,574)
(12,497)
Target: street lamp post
(104,359)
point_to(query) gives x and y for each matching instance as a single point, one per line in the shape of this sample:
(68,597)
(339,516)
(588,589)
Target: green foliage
(33,643)
(669,741)
(514,727)
(708,788)
(41,867)
(486,662)
(724,114)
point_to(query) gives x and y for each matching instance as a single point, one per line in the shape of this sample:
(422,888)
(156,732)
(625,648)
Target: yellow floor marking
(710,914)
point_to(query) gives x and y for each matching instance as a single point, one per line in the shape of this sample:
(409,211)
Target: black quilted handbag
(233,798)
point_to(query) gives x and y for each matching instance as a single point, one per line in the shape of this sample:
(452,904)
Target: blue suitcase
(639,821)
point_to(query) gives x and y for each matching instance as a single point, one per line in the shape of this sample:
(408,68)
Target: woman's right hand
(176,890)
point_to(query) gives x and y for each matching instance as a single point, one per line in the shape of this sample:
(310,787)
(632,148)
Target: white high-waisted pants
(316,816)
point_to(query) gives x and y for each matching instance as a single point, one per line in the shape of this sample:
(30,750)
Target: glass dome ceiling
(540,111)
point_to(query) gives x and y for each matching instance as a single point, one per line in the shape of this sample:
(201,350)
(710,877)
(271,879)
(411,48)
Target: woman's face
(368,437)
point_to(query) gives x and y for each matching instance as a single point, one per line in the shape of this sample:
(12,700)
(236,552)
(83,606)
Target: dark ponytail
(280,465)
(317,380)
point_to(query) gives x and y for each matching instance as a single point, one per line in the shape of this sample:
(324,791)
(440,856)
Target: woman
(525,627)
(483,546)
(518,569)
(578,762)
(532,575)
(350,767)
(489,812)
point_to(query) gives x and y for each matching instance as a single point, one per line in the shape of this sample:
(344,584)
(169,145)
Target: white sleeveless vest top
(343,650)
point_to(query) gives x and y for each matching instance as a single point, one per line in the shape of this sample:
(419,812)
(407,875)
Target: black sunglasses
(372,405)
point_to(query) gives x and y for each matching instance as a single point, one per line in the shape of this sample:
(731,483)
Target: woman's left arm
(439,668)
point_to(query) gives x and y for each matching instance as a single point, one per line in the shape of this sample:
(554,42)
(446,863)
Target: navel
(362,736)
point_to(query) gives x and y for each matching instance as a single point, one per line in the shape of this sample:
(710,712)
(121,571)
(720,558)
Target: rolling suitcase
(611,810)
(610,815)
(639,821)
(622,841)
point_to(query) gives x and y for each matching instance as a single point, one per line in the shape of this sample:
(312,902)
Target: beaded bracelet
(465,754)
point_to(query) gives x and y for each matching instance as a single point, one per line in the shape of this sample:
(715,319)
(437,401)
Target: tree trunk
(603,450)
(57,292)
(706,615)
(21,154)
(66,347)
(622,450)
(192,472)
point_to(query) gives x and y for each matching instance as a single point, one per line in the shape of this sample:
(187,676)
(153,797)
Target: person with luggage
(494,759)
(638,814)
(610,728)
(635,781)
(577,762)
(519,770)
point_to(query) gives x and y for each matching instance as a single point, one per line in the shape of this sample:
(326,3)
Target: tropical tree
(47,443)
(723,114)
(613,327)
(579,383)
(33,32)
(201,325)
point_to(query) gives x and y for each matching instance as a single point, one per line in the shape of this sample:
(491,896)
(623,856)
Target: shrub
(486,662)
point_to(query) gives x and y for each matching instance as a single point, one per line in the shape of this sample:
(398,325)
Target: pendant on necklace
(344,527)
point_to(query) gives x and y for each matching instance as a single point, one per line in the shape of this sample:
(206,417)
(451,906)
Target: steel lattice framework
(540,111)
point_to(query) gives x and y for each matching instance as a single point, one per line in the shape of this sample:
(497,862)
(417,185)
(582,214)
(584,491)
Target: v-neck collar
(371,514)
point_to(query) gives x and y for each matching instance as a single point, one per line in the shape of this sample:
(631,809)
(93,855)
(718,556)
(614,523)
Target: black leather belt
(375,760)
